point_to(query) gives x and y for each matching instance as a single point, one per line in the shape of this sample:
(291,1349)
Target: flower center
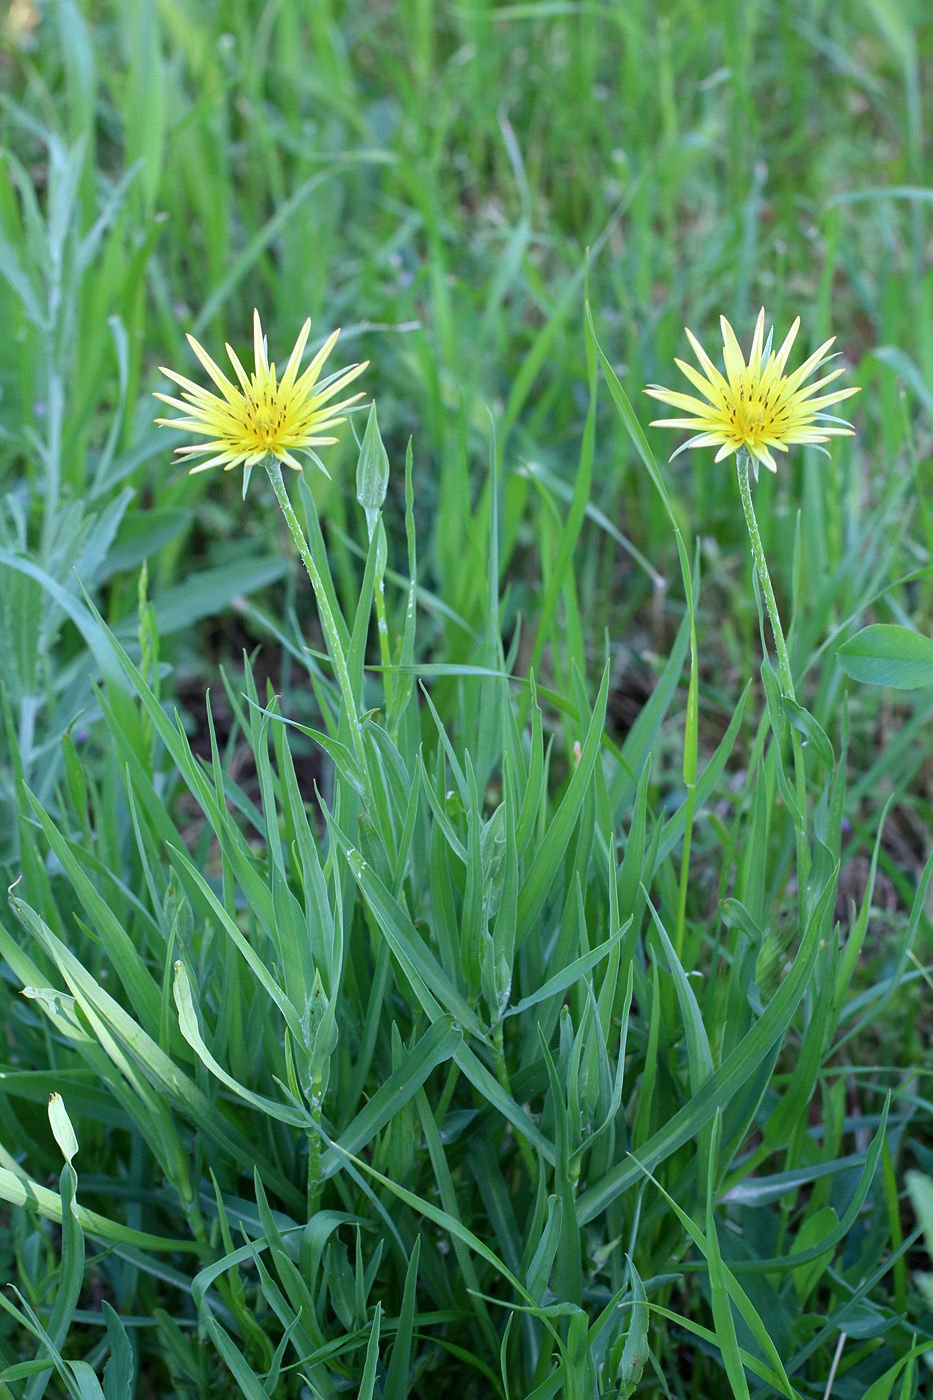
(750,419)
(264,418)
(264,423)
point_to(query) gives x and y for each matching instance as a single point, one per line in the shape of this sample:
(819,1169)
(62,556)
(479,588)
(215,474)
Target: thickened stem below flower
(784,674)
(764,578)
(328,622)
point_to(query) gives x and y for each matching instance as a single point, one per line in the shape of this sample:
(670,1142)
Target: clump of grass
(412,1025)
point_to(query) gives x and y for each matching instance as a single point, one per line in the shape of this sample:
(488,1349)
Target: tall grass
(512,1054)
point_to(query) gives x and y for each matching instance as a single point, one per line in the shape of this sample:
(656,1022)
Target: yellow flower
(757,405)
(265,416)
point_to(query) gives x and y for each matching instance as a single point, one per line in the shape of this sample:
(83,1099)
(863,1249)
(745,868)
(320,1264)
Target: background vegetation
(354,1061)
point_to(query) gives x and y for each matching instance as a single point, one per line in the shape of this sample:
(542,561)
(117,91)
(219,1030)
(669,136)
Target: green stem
(502,1074)
(314,1159)
(691,741)
(328,621)
(382,621)
(784,674)
(55,413)
(764,578)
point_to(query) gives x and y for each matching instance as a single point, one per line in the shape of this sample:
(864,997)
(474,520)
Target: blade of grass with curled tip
(121,1035)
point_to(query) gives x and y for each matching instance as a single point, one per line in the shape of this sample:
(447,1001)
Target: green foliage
(553,1032)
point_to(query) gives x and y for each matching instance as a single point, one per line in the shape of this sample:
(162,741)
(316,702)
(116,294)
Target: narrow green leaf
(20,1190)
(437,993)
(368,1378)
(372,471)
(699,1054)
(188,1022)
(719,1281)
(571,974)
(71,1271)
(635,1351)
(396,1385)
(126,959)
(236,1362)
(121,1035)
(439,1044)
(538,1274)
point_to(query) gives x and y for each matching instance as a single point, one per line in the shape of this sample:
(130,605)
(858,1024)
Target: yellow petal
(754,359)
(259,346)
(780,359)
(809,365)
(678,400)
(732,354)
(215,372)
(705,386)
(294,359)
(314,368)
(712,372)
(241,374)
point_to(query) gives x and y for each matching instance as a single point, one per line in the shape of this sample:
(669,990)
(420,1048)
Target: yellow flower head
(264,416)
(757,405)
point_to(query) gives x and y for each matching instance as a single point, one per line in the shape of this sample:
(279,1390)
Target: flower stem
(784,675)
(764,578)
(328,621)
(382,623)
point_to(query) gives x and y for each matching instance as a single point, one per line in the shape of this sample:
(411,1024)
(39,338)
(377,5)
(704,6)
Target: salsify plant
(755,406)
(266,420)
(751,409)
(444,1073)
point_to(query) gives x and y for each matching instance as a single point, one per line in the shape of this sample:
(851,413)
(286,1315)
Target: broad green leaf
(207,593)
(887,655)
